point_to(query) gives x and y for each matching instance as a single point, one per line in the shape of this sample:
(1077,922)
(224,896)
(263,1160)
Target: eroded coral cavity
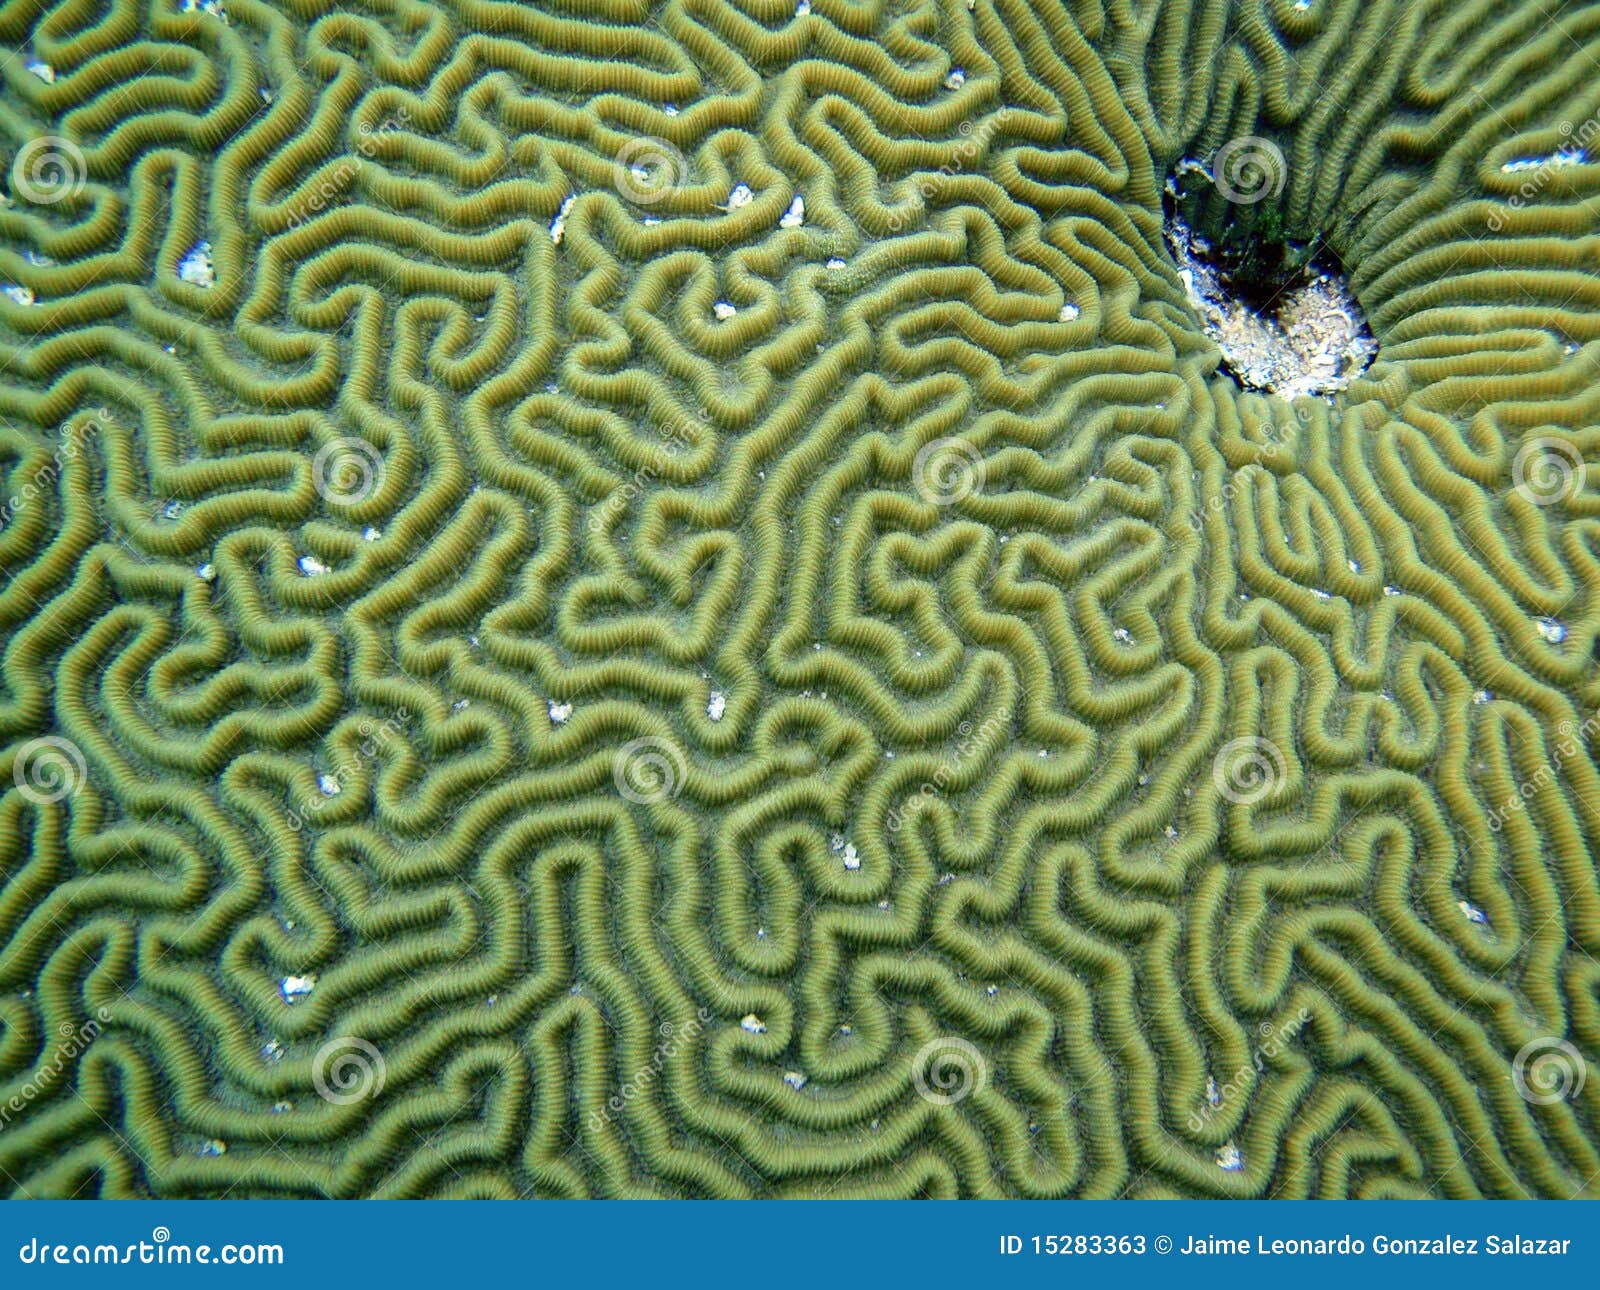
(1310,338)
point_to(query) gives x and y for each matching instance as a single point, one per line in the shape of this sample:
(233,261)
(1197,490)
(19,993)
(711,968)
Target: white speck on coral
(956,79)
(297,987)
(1353,565)
(1213,1093)
(310,565)
(992,990)
(1472,913)
(460,705)
(19,295)
(216,1147)
(795,1080)
(835,263)
(1555,161)
(328,785)
(558,226)
(1229,1158)
(196,268)
(1122,634)
(753,1024)
(716,705)
(724,310)
(207,572)
(1068,312)
(1482,696)
(1172,832)
(172,510)
(559,712)
(802,8)
(370,534)
(1553,631)
(740,197)
(1391,591)
(1320,594)
(282,1108)
(272,1051)
(671,109)
(795,216)
(42,70)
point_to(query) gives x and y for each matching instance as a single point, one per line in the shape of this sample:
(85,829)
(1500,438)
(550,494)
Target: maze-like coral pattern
(535,664)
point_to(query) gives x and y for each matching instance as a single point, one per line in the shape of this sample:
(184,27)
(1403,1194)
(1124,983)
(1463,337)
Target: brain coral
(623,598)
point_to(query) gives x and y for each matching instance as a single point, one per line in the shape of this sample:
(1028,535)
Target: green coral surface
(535,664)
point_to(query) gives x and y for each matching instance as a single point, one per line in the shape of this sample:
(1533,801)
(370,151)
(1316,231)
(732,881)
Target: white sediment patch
(1315,343)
